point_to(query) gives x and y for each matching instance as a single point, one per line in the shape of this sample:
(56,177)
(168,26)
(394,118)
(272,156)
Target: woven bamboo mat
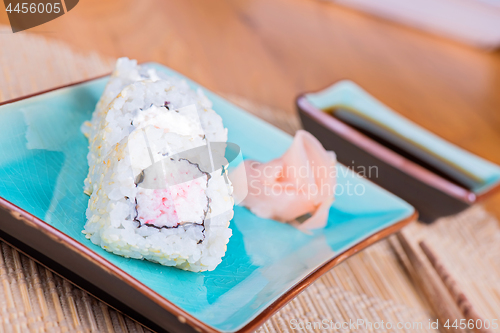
(380,283)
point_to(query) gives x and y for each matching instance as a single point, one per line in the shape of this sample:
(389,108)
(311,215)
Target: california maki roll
(156,190)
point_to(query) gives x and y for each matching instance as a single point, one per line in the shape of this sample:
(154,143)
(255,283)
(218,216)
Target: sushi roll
(155,192)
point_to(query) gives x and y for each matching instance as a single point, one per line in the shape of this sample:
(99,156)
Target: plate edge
(318,272)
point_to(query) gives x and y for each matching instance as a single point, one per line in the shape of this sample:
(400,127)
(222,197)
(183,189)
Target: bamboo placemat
(380,283)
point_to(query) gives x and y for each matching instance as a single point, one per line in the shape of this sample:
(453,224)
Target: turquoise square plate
(42,168)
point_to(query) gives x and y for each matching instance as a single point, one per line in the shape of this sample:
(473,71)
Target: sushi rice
(147,202)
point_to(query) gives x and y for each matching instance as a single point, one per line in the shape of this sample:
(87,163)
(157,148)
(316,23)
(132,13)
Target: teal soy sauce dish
(435,176)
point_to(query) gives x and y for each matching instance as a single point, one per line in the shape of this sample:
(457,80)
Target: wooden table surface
(268,51)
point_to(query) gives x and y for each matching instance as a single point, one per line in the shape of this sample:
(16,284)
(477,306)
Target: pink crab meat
(174,205)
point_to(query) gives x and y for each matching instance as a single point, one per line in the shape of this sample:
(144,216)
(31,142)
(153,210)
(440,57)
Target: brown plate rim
(182,315)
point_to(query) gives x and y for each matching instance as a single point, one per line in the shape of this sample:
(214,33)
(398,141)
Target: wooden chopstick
(456,292)
(428,281)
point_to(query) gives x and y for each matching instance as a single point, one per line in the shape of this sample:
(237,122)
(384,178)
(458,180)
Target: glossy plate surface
(43,165)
